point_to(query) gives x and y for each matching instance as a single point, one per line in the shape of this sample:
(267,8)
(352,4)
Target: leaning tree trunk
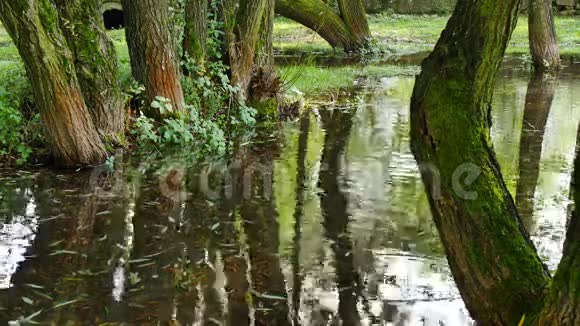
(542,35)
(69,129)
(152,41)
(196,30)
(321,18)
(355,17)
(494,263)
(96,64)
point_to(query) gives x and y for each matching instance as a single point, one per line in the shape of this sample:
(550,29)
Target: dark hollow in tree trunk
(69,129)
(114,19)
(152,41)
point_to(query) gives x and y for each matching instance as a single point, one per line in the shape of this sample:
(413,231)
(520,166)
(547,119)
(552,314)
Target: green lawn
(403,34)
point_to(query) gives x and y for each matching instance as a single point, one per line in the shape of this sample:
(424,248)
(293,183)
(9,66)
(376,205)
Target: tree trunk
(96,64)
(322,19)
(196,30)
(494,263)
(69,129)
(542,35)
(265,50)
(540,94)
(151,37)
(355,17)
(242,34)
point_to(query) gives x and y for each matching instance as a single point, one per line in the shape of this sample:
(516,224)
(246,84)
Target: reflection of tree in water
(69,255)
(301,179)
(539,97)
(260,221)
(336,218)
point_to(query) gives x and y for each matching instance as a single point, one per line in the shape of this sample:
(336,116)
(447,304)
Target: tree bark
(542,35)
(69,129)
(152,45)
(196,30)
(96,64)
(494,263)
(242,34)
(355,17)
(265,50)
(539,97)
(322,19)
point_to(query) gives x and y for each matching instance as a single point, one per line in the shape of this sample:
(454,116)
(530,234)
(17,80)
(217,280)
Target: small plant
(163,105)
(15,143)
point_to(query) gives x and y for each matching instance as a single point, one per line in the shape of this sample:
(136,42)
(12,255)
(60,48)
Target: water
(332,225)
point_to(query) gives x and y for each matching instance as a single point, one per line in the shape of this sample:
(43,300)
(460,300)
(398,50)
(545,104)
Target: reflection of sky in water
(15,237)
(552,195)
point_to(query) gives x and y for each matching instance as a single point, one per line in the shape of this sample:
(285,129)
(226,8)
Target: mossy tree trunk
(347,30)
(495,265)
(196,29)
(34,28)
(542,35)
(265,50)
(151,37)
(96,64)
(355,17)
(243,20)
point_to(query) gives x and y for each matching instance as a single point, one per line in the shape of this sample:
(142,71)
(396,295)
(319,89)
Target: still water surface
(332,227)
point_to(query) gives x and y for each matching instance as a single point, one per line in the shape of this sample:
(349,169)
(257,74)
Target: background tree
(542,35)
(70,132)
(153,43)
(347,29)
(495,264)
(196,30)
(96,64)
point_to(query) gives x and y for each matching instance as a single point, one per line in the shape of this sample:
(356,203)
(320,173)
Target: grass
(397,34)
(404,34)
(313,80)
